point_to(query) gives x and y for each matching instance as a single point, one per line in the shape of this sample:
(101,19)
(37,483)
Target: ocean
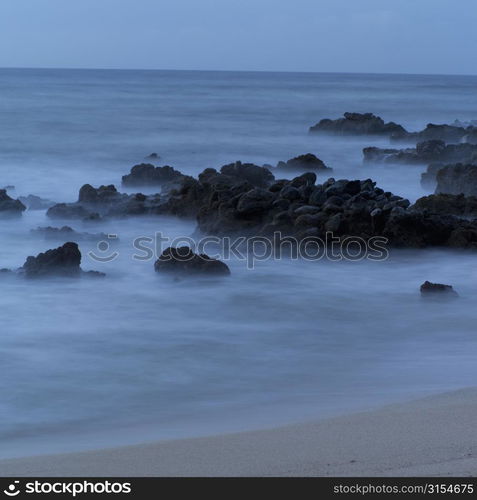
(135,357)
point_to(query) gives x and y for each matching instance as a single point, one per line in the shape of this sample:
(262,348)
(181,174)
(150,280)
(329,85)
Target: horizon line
(72,68)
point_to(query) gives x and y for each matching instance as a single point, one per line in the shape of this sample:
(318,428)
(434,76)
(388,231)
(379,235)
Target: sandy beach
(431,436)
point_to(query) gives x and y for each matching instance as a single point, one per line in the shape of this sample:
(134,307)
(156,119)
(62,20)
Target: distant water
(134,356)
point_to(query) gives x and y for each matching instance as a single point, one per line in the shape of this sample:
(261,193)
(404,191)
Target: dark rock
(260,177)
(446,133)
(457,179)
(103,194)
(183,261)
(9,206)
(428,288)
(153,156)
(424,152)
(146,174)
(307,161)
(61,261)
(445,204)
(254,202)
(358,124)
(428,178)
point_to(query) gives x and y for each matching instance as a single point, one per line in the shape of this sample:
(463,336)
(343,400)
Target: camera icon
(13,490)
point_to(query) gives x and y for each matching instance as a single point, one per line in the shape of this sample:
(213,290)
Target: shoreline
(431,436)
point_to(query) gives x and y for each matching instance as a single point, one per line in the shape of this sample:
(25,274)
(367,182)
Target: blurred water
(135,356)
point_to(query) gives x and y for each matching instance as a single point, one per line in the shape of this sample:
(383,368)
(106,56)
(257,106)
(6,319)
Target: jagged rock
(428,178)
(307,161)
(183,261)
(358,124)
(146,174)
(95,203)
(428,288)
(448,204)
(153,156)
(61,261)
(424,152)
(457,179)
(257,176)
(9,206)
(446,133)
(102,195)
(33,202)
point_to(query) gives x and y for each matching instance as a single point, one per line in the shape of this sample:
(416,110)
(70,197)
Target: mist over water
(135,356)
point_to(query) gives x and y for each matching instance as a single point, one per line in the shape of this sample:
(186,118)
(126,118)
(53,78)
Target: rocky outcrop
(457,179)
(358,124)
(106,201)
(62,261)
(146,174)
(437,289)
(303,163)
(257,176)
(9,206)
(448,204)
(428,178)
(424,152)
(33,202)
(447,133)
(182,262)
(68,233)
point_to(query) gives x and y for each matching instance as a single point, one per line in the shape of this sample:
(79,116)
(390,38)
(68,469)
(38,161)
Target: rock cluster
(146,174)
(306,162)
(9,206)
(458,205)
(424,152)
(457,179)
(105,201)
(446,133)
(358,124)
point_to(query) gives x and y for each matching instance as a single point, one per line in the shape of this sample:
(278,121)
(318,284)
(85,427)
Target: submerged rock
(424,152)
(61,261)
(358,124)
(433,289)
(307,161)
(33,202)
(67,211)
(183,261)
(67,233)
(146,174)
(153,156)
(9,206)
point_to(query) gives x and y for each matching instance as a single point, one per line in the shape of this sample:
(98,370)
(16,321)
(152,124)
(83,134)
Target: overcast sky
(391,36)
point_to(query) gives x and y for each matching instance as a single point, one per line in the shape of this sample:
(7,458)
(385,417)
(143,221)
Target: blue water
(134,356)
